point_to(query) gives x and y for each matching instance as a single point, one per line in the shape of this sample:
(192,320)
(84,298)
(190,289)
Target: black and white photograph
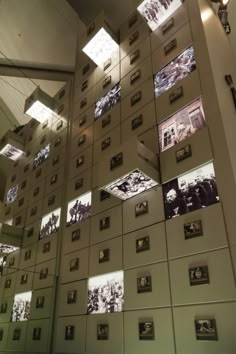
(1,334)
(75,235)
(106,293)
(3,308)
(80,161)
(7,283)
(7,248)
(79,209)
(23,279)
(12,194)
(137,122)
(110,99)
(135,98)
(130,185)
(74,264)
(16,334)
(43,274)
(191,191)
(11,262)
(183,153)
(71,297)
(181,125)
(104,255)
(69,332)
(155,12)
(144,284)
(102,332)
(11,152)
(106,143)
(36,333)
(41,156)
(141,208)
(146,330)
(193,229)
(142,244)
(21,307)
(39,302)
(46,247)
(79,183)
(27,255)
(104,223)
(198,275)
(176,94)
(116,161)
(53,179)
(176,70)
(206,329)
(50,223)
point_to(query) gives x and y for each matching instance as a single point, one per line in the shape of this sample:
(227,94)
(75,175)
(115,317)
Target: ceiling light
(39,105)
(11,146)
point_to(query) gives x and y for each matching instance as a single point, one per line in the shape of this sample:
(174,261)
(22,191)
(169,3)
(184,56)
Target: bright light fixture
(11,152)
(156,12)
(39,105)
(100,47)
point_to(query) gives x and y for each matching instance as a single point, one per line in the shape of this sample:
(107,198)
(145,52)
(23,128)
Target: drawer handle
(80,161)
(57,142)
(135,76)
(170,46)
(53,179)
(183,153)
(168,25)
(33,211)
(85,69)
(83,103)
(133,38)
(79,184)
(136,98)
(59,125)
(62,94)
(84,85)
(137,122)
(107,81)
(107,64)
(82,140)
(176,94)
(60,109)
(116,161)
(82,120)
(134,56)
(132,20)
(36,191)
(75,235)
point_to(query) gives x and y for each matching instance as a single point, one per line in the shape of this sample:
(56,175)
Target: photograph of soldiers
(105,103)
(176,70)
(12,194)
(21,307)
(79,209)
(156,12)
(106,293)
(206,329)
(50,223)
(41,156)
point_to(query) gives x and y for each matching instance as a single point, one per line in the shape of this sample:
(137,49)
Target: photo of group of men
(105,103)
(50,223)
(192,191)
(41,156)
(79,209)
(21,307)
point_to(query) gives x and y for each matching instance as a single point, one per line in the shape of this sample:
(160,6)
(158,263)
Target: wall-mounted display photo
(193,229)
(155,12)
(181,125)
(50,223)
(21,307)
(36,333)
(199,275)
(16,334)
(176,70)
(105,103)
(192,191)
(43,274)
(69,332)
(79,209)
(75,236)
(130,185)
(104,255)
(102,332)
(104,223)
(106,293)
(144,284)
(146,330)
(141,208)
(11,152)
(7,248)
(41,156)
(142,244)
(12,194)
(74,264)
(183,153)
(1,334)
(39,302)
(71,297)
(206,329)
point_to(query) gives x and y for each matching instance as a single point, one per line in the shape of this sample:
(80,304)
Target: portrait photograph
(199,275)
(206,329)
(193,229)
(24,279)
(104,255)
(69,332)
(75,235)
(40,302)
(36,333)
(71,297)
(74,264)
(146,330)
(102,332)
(46,247)
(12,194)
(43,273)
(142,244)
(104,223)
(144,284)
(141,208)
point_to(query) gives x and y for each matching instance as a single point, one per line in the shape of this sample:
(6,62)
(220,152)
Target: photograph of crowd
(11,152)
(50,223)
(106,293)
(176,70)
(105,103)
(156,12)
(41,156)
(206,329)
(192,191)
(7,248)
(21,307)
(12,194)
(79,209)
(181,125)
(130,185)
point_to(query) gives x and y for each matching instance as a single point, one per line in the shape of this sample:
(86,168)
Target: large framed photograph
(142,244)
(155,12)
(193,229)
(21,307)
(180,67)
(141,208)
(69,332)
(71,297)
(12,194)
(146,330)
(198,275)
(106,102)
(206,329)
(181,125)
(144,284)
(106,293)
(50,223)
(102,332)
(79,209)
(41,156)
(104,255)
(192,191)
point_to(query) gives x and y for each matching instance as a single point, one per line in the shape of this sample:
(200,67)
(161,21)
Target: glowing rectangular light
(50,223)
(21,307)
(79,209)
(155,12)
(130,185)
(11,152)
(100,47)
(6,249)
(106,293)
(39,105)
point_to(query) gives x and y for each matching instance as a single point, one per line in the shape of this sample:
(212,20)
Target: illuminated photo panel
(192,191)
(79,209)
(7,248)
(11,152)
(181,125)
(130,185)
(176,70)
(50,223)
(21,307)
(100,47)
(12,194)
(106,293)
(41,156)
(156,12)
(105,103)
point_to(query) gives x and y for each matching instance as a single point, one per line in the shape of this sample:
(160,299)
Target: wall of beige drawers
(173,304)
